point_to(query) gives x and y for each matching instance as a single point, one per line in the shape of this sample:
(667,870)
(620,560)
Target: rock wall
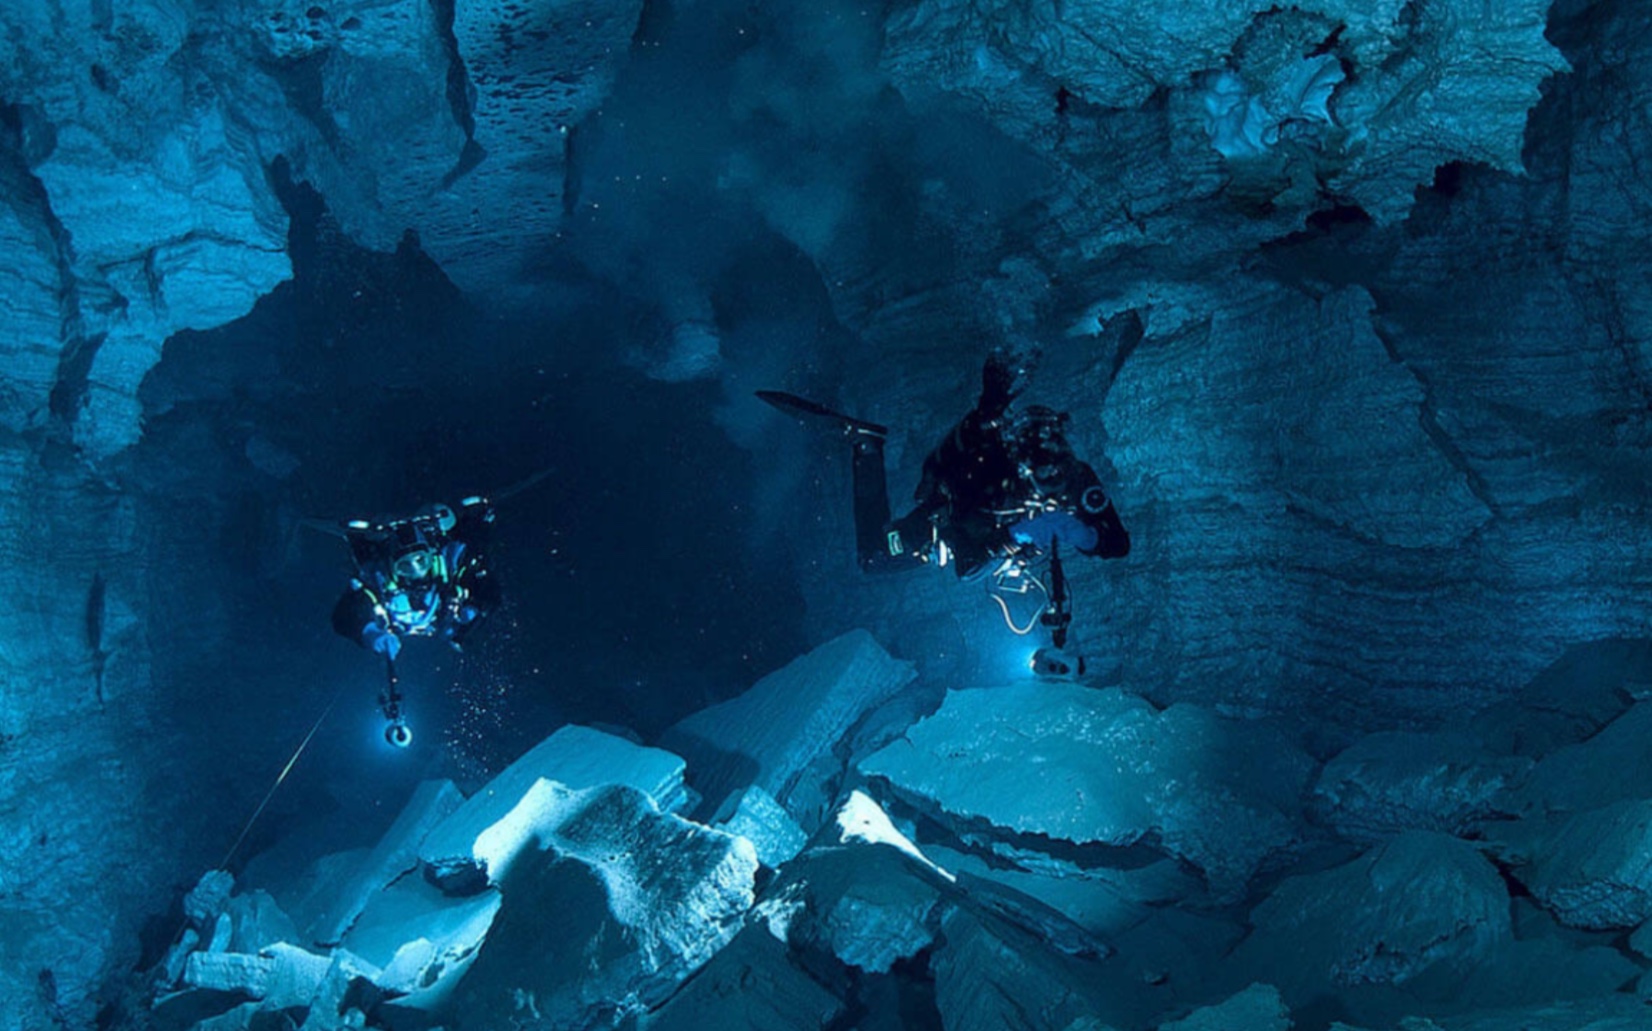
(80,752)
(1376,412)
(138,139)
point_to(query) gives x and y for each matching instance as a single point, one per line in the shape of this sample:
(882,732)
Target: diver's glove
(382,641)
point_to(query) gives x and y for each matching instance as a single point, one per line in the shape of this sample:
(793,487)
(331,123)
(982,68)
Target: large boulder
(862,892)
(1099,767)
(421,940)
(474,843)
(1419,904)
(990,975)
(641,899)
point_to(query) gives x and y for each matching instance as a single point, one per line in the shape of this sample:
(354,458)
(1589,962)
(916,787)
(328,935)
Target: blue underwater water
(1346,309)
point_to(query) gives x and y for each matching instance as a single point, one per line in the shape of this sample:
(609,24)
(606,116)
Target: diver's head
(1036,423)
(415,564)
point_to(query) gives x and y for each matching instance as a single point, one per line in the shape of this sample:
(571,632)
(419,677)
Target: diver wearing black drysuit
(1000,484)
(422,576)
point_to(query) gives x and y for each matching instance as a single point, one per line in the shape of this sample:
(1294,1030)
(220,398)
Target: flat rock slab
(1105,768)
(780,734)
(422,940)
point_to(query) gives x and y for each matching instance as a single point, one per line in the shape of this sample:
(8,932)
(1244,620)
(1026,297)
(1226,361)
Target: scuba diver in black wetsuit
(1002,491)
(422,576)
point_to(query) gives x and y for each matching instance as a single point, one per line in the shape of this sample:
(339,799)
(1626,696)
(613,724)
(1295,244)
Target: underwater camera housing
(1057,664)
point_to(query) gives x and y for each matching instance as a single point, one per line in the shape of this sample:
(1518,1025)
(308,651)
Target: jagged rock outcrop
(1419,85)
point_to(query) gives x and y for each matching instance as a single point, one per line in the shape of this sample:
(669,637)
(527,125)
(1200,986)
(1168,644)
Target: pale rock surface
(422,940)
(396,853)
(1390,782)
(257,921)
(149,200)
(495,823)
(281,976)
(758,818)
(642,899)
(1099,767)
(1420,904)
(780,735)
(862,891)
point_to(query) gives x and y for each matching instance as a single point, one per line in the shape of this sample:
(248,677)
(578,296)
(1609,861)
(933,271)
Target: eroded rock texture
(1387,467)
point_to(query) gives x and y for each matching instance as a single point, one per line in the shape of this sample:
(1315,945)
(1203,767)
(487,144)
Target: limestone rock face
(137,141)
(81,735)
(1426,84)
(1101,768)
(139,185)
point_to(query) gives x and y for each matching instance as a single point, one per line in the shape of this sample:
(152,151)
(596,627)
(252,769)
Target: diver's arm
(357,619)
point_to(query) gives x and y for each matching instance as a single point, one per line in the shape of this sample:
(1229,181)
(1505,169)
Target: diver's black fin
(791,404)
